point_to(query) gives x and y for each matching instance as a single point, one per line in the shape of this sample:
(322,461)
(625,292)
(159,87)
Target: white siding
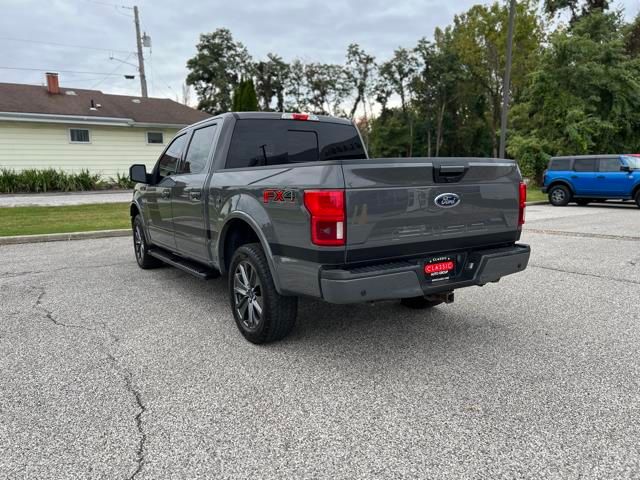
(46,145)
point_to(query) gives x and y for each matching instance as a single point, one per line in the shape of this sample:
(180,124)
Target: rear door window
(609,165)
(585,165)
(257,142)
(560,164)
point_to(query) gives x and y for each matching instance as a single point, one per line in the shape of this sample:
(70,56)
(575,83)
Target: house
(73,129)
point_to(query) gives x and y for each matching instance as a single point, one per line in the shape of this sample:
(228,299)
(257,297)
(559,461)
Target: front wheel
(559,196)
(261,313)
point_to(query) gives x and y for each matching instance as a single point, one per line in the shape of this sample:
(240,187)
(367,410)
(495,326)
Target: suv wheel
(559,196)
(261,313)
(419,303)
(637,198)
(140,247)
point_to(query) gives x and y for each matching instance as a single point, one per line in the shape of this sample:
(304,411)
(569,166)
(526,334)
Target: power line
(61,71)
(111,73)
(63,45)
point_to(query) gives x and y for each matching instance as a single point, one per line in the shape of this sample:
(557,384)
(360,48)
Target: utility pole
(143,77)
(507,80)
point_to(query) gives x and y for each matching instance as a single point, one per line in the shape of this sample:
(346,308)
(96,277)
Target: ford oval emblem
(447,200)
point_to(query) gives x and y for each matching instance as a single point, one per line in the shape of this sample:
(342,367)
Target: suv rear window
(560,164)
(585,165)
(257,143)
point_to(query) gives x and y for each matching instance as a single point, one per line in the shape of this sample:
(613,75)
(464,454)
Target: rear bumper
(404,279)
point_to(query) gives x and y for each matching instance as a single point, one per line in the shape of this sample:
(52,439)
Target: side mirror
(138,173)
(625,168)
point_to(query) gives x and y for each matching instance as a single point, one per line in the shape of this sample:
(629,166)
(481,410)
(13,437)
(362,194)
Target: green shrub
(122,181)
(48,180)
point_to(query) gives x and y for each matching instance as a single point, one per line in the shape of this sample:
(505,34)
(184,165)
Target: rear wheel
(261,313)
(141,248)
(419,303)
(637,198)
(559,195)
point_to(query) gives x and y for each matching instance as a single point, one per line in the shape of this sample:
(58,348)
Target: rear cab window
(258,142)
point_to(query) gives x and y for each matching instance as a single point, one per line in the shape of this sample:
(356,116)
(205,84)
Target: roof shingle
(19,98)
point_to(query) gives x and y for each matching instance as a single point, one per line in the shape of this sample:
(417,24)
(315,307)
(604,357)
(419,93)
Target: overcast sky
(313,30)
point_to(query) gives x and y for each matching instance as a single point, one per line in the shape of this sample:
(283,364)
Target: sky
(79,37)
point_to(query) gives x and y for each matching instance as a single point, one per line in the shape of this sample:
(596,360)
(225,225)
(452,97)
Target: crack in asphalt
(593,275)
(49,314)
(61,269)
(124,372)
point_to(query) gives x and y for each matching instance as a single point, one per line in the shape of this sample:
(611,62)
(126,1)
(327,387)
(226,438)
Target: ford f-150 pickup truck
(290,205)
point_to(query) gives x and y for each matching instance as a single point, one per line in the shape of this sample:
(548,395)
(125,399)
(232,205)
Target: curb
(538,202)
(64,237)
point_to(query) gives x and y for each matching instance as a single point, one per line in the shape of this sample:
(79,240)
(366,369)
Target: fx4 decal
(278,196)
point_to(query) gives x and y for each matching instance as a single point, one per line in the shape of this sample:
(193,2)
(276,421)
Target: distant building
(73,129)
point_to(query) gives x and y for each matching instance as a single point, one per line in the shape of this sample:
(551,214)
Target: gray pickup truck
(289,205)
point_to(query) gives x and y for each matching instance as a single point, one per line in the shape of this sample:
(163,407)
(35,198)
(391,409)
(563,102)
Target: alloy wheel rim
(247,294)
(558,195)
(138,243)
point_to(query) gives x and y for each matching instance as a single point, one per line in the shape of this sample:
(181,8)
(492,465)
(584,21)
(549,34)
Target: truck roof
(268,116)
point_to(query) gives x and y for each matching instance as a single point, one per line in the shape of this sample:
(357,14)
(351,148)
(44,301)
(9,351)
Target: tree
(577,8)
(479,39)
(359,68)
(271,79)
(584,98)
(295,88)
(326,87)
(216,70)
(244,98)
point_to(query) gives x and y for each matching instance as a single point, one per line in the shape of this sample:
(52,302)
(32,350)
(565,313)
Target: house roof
(34,99)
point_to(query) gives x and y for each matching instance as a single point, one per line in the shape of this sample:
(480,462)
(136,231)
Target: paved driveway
(108,371)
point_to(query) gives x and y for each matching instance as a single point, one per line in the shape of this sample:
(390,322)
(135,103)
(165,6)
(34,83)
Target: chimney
(53,87)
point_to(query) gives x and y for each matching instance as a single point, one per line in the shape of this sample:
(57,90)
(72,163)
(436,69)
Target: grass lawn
(534,194)
(76,218)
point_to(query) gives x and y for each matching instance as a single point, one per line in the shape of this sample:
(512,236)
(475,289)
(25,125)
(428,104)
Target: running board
(194,268)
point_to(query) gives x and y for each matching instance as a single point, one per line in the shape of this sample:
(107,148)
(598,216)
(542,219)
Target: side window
(168,163)
(197,155)
(560,164)
(609,165)
(585,165)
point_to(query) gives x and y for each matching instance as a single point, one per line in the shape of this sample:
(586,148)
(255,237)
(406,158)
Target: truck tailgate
(419,206)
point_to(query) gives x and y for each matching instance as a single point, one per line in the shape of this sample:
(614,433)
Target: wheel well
(636,189)
(560,182)
(237,233)
(133,211)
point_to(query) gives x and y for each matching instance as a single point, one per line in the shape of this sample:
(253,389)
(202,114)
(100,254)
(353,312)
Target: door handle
(166,193)
(574,176)
(195,195)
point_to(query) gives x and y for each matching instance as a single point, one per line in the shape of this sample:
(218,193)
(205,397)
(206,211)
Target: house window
(155,137)
(79,135)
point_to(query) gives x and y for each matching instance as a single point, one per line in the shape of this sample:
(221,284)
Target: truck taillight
(327,216)
(522,200)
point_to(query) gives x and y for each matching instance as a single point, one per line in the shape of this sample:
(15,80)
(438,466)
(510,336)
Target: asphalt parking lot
(108,371)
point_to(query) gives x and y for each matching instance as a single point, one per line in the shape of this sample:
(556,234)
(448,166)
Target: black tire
(261,314)
(141,247)
(559,195)
(583,202)
(419,303)
(637,198)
